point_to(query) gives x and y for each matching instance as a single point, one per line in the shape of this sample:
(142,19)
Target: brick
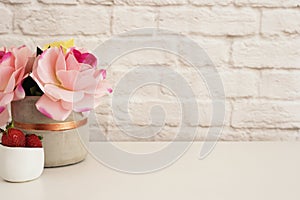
(280,85)
(273,135)
(185,78)
(266,114)
(12,41)
(139,110)
(240,83)
(6,20)
(64,21)
(135,80)
(104,107)
(89,43)
(128,18)
(114,133)
(119,130)
(202,134)
(101,2)
(236,83)
(146,57)
(217,49)
(146,92)
(98,124)
(16,1)
(168,133)
(206,118)
(273,53)
(231,134)
(59,1)
(215,21)
(268,3)
(150,2)
(210,2)
(141,113)
(226,134)
(275,22)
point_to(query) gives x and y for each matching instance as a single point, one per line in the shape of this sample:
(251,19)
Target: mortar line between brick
(112,12)
(260,22)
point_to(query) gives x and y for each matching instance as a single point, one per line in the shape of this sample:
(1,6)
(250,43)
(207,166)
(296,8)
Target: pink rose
(70,82)
(14,67)
(82,56)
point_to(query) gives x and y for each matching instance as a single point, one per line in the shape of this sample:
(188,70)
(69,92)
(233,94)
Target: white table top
(234,170)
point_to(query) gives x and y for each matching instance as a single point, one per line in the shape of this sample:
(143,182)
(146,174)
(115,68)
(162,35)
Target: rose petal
(72,63)
(7,59)
(102,89)
(19,93)
(110,90)
(22,54)
(2,53)
(6,98)
(60,93)
(86,104)
(18,76)
(89,59)
(67,105)
(68,78)
(29,65)
(2,108)
(85,80)
(45,70)
(52,109)
(4,116)
(86,58)
(60,62)
(102,74)
(6,73)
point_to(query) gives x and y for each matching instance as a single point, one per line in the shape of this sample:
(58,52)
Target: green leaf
(9,125)
(40,137)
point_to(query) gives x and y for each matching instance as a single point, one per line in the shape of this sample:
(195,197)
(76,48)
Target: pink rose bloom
(14,67)
(70,82)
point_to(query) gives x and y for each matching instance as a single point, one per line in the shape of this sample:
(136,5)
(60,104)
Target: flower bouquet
(51,93)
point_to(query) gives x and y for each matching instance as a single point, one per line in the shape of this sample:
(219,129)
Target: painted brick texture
(254,45)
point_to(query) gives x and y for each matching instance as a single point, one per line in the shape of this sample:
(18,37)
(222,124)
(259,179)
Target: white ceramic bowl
(18,164)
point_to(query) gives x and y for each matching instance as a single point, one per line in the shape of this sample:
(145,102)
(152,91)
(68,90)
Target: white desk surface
(233,171)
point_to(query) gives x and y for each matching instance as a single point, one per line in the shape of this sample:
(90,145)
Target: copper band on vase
(62,126)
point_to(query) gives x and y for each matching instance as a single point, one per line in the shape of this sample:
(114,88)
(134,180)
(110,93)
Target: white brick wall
(267,53)
(6,20)
(255,45)
(276,22)
(90,21)
(215,21)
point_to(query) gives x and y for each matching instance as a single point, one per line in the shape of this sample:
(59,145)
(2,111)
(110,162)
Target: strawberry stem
(9,125)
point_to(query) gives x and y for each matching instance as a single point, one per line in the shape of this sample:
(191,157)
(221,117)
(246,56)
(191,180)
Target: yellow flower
(64,44)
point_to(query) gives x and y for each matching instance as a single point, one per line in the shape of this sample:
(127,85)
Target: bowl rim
(21,148)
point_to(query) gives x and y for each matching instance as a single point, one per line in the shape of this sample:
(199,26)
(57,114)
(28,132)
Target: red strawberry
(13,138)
(5,139)
(33,140)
